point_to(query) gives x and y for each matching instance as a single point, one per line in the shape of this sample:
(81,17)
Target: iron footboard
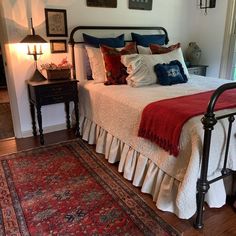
(209,121)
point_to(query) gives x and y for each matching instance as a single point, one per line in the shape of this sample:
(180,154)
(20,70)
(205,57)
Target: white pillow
(139,70)
(141,67)
(96,64)
(143,50)
(82,66)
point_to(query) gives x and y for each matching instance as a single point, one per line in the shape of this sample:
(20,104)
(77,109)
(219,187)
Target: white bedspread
(117,110)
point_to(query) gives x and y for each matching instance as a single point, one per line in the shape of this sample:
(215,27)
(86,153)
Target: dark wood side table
(51,92)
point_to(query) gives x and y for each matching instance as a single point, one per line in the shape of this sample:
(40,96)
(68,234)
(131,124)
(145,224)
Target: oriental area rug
(66,189)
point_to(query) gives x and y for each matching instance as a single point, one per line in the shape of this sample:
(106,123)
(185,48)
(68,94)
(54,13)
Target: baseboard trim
(49,129)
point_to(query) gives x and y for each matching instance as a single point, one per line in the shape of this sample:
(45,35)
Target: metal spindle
(231,120)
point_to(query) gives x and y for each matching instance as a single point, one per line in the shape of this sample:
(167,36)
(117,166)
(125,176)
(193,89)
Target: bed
(110,118)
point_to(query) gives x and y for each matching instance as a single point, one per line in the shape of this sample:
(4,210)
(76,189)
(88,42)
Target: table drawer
(198,70)
(57,89)
(51,99)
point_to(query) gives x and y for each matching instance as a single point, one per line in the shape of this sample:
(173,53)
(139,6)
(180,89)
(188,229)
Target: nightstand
(197,69)
(51,92)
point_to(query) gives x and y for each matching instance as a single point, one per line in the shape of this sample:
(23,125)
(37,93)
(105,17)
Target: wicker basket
(58,74)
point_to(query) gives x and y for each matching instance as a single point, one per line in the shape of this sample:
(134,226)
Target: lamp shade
(33,39)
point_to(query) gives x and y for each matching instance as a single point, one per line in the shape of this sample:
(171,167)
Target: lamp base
(37,76)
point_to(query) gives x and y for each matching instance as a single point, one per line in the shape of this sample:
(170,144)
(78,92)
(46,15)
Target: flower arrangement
(64,64)
(57,71)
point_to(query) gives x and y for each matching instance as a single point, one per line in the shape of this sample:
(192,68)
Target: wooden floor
(217,221)
(4,97)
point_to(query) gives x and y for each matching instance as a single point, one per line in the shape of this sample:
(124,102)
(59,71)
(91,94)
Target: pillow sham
(141,67)
(82,66)
(117,42)
(158,49)
(96,64)
(170,73)
(145,40)
(115,70)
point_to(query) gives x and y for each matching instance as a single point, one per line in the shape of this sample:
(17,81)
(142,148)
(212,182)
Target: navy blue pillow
(117,42)
(145,40)
(172,73)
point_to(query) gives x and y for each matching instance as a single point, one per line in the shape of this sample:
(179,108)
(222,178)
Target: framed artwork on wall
(58,46)
(140,4)
(56,22)
(102,3)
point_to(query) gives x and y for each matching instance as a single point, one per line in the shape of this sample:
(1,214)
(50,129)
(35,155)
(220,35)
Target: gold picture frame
(58,46)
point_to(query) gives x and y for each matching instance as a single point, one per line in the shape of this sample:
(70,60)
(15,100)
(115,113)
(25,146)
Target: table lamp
(34,42)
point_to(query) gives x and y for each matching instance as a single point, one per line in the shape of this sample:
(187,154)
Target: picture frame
(58,46)
(102,3)
(140,4)
(56,22)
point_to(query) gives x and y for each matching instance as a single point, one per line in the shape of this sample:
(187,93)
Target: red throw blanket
(162,121)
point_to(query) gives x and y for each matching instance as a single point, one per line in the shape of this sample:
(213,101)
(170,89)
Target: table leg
(76,118)
(39,116)
(67,109)
(32,112)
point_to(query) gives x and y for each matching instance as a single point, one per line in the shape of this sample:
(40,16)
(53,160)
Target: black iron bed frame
(209,120)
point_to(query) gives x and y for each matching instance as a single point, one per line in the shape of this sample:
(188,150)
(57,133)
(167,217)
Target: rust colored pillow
(115,70)
(158,49)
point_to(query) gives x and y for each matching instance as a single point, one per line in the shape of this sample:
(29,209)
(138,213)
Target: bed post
(203,185)
(72,43)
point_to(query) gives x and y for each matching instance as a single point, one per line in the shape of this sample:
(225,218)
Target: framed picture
(58,46)
(140,4)
(56,22)
(102,3)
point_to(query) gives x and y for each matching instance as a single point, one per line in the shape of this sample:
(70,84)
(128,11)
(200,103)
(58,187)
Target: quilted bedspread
(118,109)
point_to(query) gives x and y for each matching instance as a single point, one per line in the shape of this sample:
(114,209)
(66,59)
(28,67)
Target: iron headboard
(72,41)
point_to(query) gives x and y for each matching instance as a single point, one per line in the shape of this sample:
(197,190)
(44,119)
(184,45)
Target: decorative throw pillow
(145,40)
(115,70)
(143,50)
(117,42)
(158,49)
(171,73)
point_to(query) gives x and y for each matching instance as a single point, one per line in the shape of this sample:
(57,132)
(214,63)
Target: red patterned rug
(66,189)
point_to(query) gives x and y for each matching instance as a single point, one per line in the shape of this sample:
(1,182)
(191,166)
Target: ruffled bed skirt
(136,168)
(142,172)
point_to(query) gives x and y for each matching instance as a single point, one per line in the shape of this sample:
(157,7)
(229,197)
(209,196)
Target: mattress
(110,117)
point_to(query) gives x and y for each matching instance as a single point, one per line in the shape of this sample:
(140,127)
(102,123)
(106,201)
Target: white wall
(181,18)
(208,31)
